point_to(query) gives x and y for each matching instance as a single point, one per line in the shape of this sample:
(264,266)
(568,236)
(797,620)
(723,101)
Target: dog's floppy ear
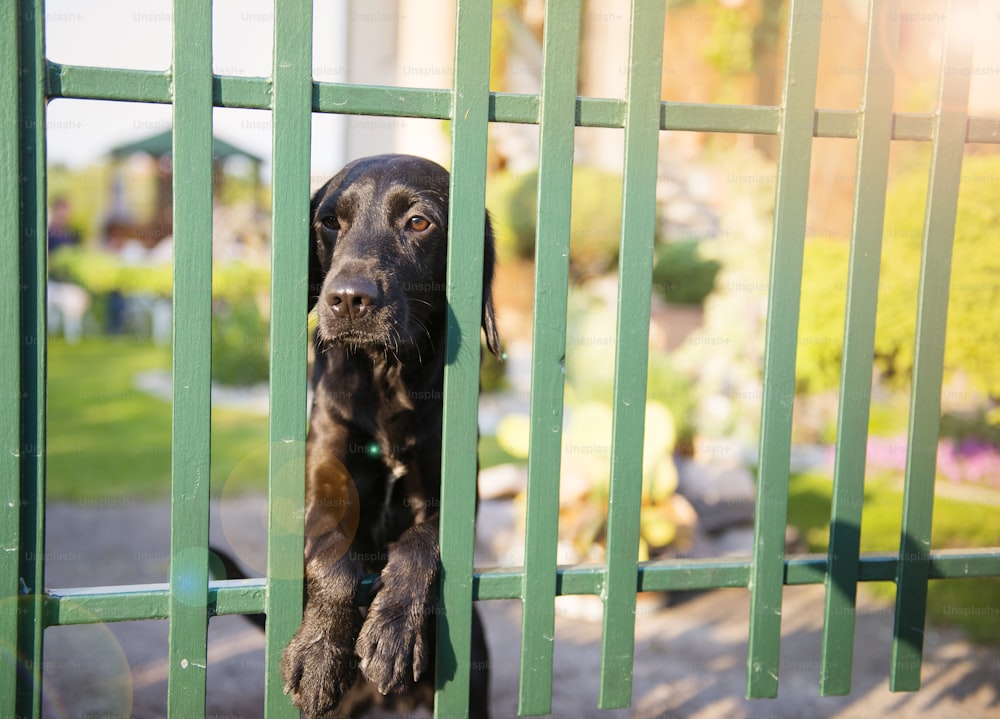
(316,270)
(489,313)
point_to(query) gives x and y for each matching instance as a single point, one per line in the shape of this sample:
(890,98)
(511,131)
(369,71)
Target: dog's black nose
(353,298)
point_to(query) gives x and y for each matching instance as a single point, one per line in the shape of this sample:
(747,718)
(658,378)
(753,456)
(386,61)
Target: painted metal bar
(243,92)
(717,573)
(754,119)
(381,100)
(253,93)
(103,83)
(515,108)
(907,126)
(771,515)
(11,343)
(192,364)
(291,137)
(29,234)
(599,112)
(555,179)
(928,359)
(871,179)
(635,270)
(90,605)
(126,603)
(983,130)
(469,125)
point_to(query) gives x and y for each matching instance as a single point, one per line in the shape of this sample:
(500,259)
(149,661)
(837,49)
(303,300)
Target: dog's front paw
(392,646)
(319,665)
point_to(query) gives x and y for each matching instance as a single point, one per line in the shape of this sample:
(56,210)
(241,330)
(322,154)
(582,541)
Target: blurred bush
(587,428)
(722,360)
(590,359)
(821,317)
(682,274)
(239,295)
(973,336)
(492,372)
(595,221)
(102,272)
(240,344)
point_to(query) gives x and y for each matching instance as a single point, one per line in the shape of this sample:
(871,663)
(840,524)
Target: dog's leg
(319,665)
(392,646)
(479,684)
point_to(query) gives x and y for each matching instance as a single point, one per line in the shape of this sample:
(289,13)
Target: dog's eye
(330,222)
(418,223)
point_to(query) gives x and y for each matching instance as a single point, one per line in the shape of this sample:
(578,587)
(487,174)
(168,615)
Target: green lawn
(106,439)
(969,603)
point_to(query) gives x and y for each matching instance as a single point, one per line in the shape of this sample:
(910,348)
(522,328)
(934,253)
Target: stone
(502,481)
(722,493)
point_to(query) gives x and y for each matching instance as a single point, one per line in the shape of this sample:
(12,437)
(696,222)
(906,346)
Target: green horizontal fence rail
(28,81)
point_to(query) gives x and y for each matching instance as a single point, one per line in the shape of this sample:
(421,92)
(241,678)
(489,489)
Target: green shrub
(586,461)
(515,235)
(595,221)
(102,272)
(239,330)
(722,359)
(973,336)
(681,274)
(492,373)
(590,361)
(821,317)
(957,524)
(240,344)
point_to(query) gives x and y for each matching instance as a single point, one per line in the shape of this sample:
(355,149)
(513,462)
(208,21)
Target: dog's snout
(353,298)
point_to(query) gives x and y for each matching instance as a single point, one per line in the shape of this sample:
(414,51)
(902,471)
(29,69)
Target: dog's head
(379,250)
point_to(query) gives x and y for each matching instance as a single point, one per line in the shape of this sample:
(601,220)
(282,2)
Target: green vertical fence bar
(10,355)
(794,152)
(871,178)
(928,359)
(192,357)
(292,123)
(635,279)
(555,178)
(31,234)
(469,124)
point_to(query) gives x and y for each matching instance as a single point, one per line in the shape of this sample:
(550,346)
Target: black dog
(373,455)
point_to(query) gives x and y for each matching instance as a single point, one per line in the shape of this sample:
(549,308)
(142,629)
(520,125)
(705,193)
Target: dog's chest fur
(393,426)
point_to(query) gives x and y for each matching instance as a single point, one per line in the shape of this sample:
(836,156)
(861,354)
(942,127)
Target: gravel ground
(690,657)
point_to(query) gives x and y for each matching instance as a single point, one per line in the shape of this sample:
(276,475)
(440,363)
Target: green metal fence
(28,80)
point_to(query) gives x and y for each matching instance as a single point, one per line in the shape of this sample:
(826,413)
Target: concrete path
(690,657)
